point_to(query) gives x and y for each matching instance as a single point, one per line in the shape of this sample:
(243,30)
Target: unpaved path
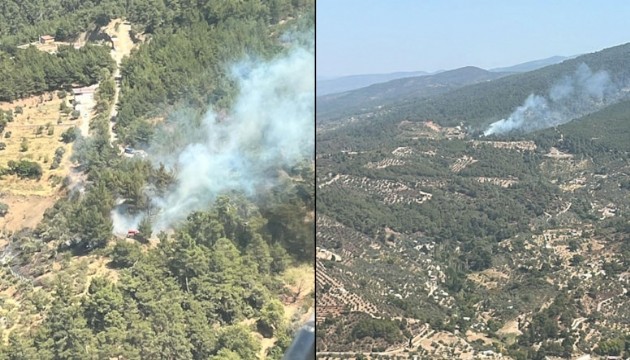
(577,322)
(118,30)
(85,104)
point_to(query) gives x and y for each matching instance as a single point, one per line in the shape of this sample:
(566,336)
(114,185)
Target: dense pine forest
(215,286)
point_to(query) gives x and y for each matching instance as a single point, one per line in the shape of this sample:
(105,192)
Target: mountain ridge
(401,89)
(327,85)
(532,65)
(333,85)
(482,103)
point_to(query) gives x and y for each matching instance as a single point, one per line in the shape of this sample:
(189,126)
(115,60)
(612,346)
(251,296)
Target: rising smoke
(573,96)
(271,125)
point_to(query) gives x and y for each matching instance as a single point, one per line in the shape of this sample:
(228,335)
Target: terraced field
(564,242)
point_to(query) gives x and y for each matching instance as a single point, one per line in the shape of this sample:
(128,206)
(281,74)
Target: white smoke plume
(573,96)
(123,221)
(270,125)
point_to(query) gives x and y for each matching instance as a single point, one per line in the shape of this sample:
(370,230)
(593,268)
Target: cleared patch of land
(24,211)
(39,127)
(119,32)
(300,281)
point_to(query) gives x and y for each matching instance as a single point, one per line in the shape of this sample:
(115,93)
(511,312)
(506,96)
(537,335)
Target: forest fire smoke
(573,96)
(271,125)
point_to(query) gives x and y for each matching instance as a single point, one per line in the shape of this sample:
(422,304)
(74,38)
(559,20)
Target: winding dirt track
(122,47)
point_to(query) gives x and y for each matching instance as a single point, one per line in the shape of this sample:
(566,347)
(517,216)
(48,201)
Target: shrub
(25,169)
(69,135)
(60,151)
(4,209)
(24,145)
(58,156)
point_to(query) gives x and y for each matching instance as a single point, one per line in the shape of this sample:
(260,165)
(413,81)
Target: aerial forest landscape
(476,206)
(156,178)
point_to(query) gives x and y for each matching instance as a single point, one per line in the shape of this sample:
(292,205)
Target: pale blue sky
(381,36)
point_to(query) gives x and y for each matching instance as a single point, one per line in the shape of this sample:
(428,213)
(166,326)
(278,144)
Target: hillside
(381,95)
(105,250)
(436,242)
(531,65)
(477,106)
(352,82)
(607,129)
(480,104)
(346,83)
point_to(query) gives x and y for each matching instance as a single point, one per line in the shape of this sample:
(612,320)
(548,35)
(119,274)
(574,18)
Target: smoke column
(573,96)
(270,125)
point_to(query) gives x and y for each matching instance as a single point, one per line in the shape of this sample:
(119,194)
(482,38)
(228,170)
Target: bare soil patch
(24,211)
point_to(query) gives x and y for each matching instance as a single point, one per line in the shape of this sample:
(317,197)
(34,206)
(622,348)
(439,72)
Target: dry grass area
(439,342)
(502,182)
(300,281)
(38,112)
(385,163)
(510,328)
(473,336)
(433,126)
(24,211)
(570,188)
(265,344)
(431,130)
(90,265)
(489,278)
(29,199)
(98,266)
(554,153)
(119,30)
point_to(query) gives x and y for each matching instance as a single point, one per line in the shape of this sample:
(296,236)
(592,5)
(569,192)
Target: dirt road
(85,105)
(118,30)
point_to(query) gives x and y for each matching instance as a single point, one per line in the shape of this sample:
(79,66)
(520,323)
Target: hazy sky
(381,36)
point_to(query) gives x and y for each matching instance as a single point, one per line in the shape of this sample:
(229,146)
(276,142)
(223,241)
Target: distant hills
(481,103)
(346,83)
(370,121)
(533,65)
(367,98)
(327,85)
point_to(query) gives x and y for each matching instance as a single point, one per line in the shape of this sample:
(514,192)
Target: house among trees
(46,39)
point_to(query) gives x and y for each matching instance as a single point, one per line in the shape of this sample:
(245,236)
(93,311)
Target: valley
(449,244)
